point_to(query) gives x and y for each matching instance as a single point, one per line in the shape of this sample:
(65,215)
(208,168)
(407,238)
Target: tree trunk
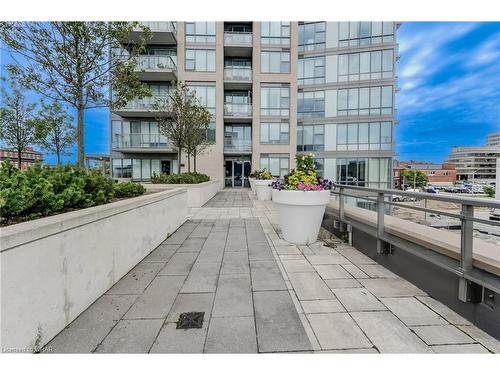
(194,160)
(19,152)
(58,158)
(80,135)
(189,162)
(179,161)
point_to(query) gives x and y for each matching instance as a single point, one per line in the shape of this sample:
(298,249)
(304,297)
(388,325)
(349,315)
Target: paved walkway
(261,294)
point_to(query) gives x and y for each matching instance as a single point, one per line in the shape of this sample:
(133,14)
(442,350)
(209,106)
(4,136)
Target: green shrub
(182,178)
(42,191)
(128,189)
(264,175)
(489,191)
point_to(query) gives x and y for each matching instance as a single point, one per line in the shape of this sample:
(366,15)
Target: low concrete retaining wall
(53,268)
(198,194)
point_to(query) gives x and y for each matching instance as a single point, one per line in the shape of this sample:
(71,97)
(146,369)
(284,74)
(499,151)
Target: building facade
(274,89)
(28,157)
(477,164)
(438,174)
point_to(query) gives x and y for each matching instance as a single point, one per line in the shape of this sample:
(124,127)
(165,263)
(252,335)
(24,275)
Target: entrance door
(236,173)
(165,167)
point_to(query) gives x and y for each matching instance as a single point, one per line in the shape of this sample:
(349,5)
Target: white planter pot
(301,214)
(252,185)
(263,190)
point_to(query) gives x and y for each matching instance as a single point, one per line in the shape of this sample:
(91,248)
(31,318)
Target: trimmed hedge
(42,191)
(182,178)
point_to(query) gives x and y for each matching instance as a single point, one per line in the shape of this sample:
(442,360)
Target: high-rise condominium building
(274,89)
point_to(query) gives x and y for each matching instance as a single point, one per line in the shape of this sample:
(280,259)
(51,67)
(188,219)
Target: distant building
(28,157)
(477,163)
(438,174)
(98,161)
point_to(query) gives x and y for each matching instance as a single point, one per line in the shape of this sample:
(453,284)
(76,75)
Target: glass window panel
(117,168)
(354,63)
(352,134)
(375,132)
(363,133)
(364,62)
(385,132)
(353,98)
(387,96)
(136,168)
(364,30)
(274,166)
(364,97)
(388,28)
(264,133)
(373,171)
(343,64)
(376,61)
(387,60)
(342,133)
(342,99)
(374,97)
(353,30)
(343,30)
(376,28)
(155,166)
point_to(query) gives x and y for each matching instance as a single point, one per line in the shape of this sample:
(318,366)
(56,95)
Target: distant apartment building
(274,89)
(28,157)
(477,163)
(438,174)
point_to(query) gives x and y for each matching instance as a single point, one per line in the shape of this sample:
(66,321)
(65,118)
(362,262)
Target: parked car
(431,190)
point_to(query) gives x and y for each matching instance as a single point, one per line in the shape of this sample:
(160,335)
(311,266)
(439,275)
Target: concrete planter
(301,214)
(54,268)
(263,189)
(251,180)
(198,194)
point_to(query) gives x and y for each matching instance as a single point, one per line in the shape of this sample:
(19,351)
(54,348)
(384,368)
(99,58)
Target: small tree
(17,121)
(489,191)
(55,131)
(175,114)
(196,133)
(415,178)
(77,63)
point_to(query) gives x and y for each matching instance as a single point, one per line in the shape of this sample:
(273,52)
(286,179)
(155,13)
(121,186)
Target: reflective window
(201,60)
(275,62)
(312,36)
(275,101)
(364,136)
(277,164)
(365,33)
(311,104)
(310,138)
(311,70)
(364,101)
(365,65)
(200,32)
(205,95)
(274,133)
(275,33)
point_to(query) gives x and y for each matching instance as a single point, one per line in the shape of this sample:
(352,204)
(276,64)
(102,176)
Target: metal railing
(237,145)
(145,104)
(237,39)
(141,140)
(237,110)
(238,74)
(160,26)
(382,200)
(155,62)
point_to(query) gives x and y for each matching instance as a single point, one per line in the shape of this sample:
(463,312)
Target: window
(200,32)
(138,169)
(210,137)
(238,138)
(275,101)
(373,101)
(205,95)
(311,104)
(310,138)
(138,134)
(275,33)
(277,164)
(275,62)
(122,168)
(364,136)
(311,36)
(365,65)
(319,165)
(311,70)
(275,133)
(365,33)
(200,60)
(237,62)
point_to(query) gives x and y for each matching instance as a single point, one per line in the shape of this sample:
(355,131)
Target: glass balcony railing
(238,74)
(153,141)
(238,39)
(157,26)
(158,62)
(237,110)
(145,104)
(237,145)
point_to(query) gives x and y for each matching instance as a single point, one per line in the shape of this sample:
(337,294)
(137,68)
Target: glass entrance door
(236,173)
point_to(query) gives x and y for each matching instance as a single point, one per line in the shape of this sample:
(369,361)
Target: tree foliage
(77,63)
(55,131)
(17,120)
(419,177)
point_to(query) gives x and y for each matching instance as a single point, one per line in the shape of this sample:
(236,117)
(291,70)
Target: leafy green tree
(413,176)
(77,63)
(196,133)
(489,191)
(17,120)
(55,131)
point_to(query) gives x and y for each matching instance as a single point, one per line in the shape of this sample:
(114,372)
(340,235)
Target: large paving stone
(391,287)
(309,286)
(278,324)
(327,259)
(202,230)
(355,271)
(332,271)
(343,283)
(213,249)
(191,245)
(233,297)
(137,279)
(235,263)
(388,333)
(178,237)
(199,302)
(91,327)
(322,306)
(376,271)
(465,349)
(447,313)
(180,264)
(338,331)
(413,312)
(231,335)
(131,336)
(236,239)
(482,337)
(266,276)
(202,278)
(162,253)
(172,340)
(259,250)
(355,256)
(297,265)
(440,335)
(157,299)
(358,299)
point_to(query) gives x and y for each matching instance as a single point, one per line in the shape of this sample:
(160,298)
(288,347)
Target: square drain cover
(190,320)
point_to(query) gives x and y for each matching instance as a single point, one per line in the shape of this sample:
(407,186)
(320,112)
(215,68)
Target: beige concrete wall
(198,194)
(53,268)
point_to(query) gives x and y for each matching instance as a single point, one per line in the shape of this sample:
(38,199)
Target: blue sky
(449,79)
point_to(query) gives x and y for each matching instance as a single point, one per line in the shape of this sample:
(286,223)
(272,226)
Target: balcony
(238,146)
(143,142)
(164,33)
(139,107)
(237,44)
(238,111)
(237,78)
(156,68)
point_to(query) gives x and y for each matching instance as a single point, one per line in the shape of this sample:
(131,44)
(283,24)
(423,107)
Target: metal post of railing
(380,222)
(466,247)
(341,210)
